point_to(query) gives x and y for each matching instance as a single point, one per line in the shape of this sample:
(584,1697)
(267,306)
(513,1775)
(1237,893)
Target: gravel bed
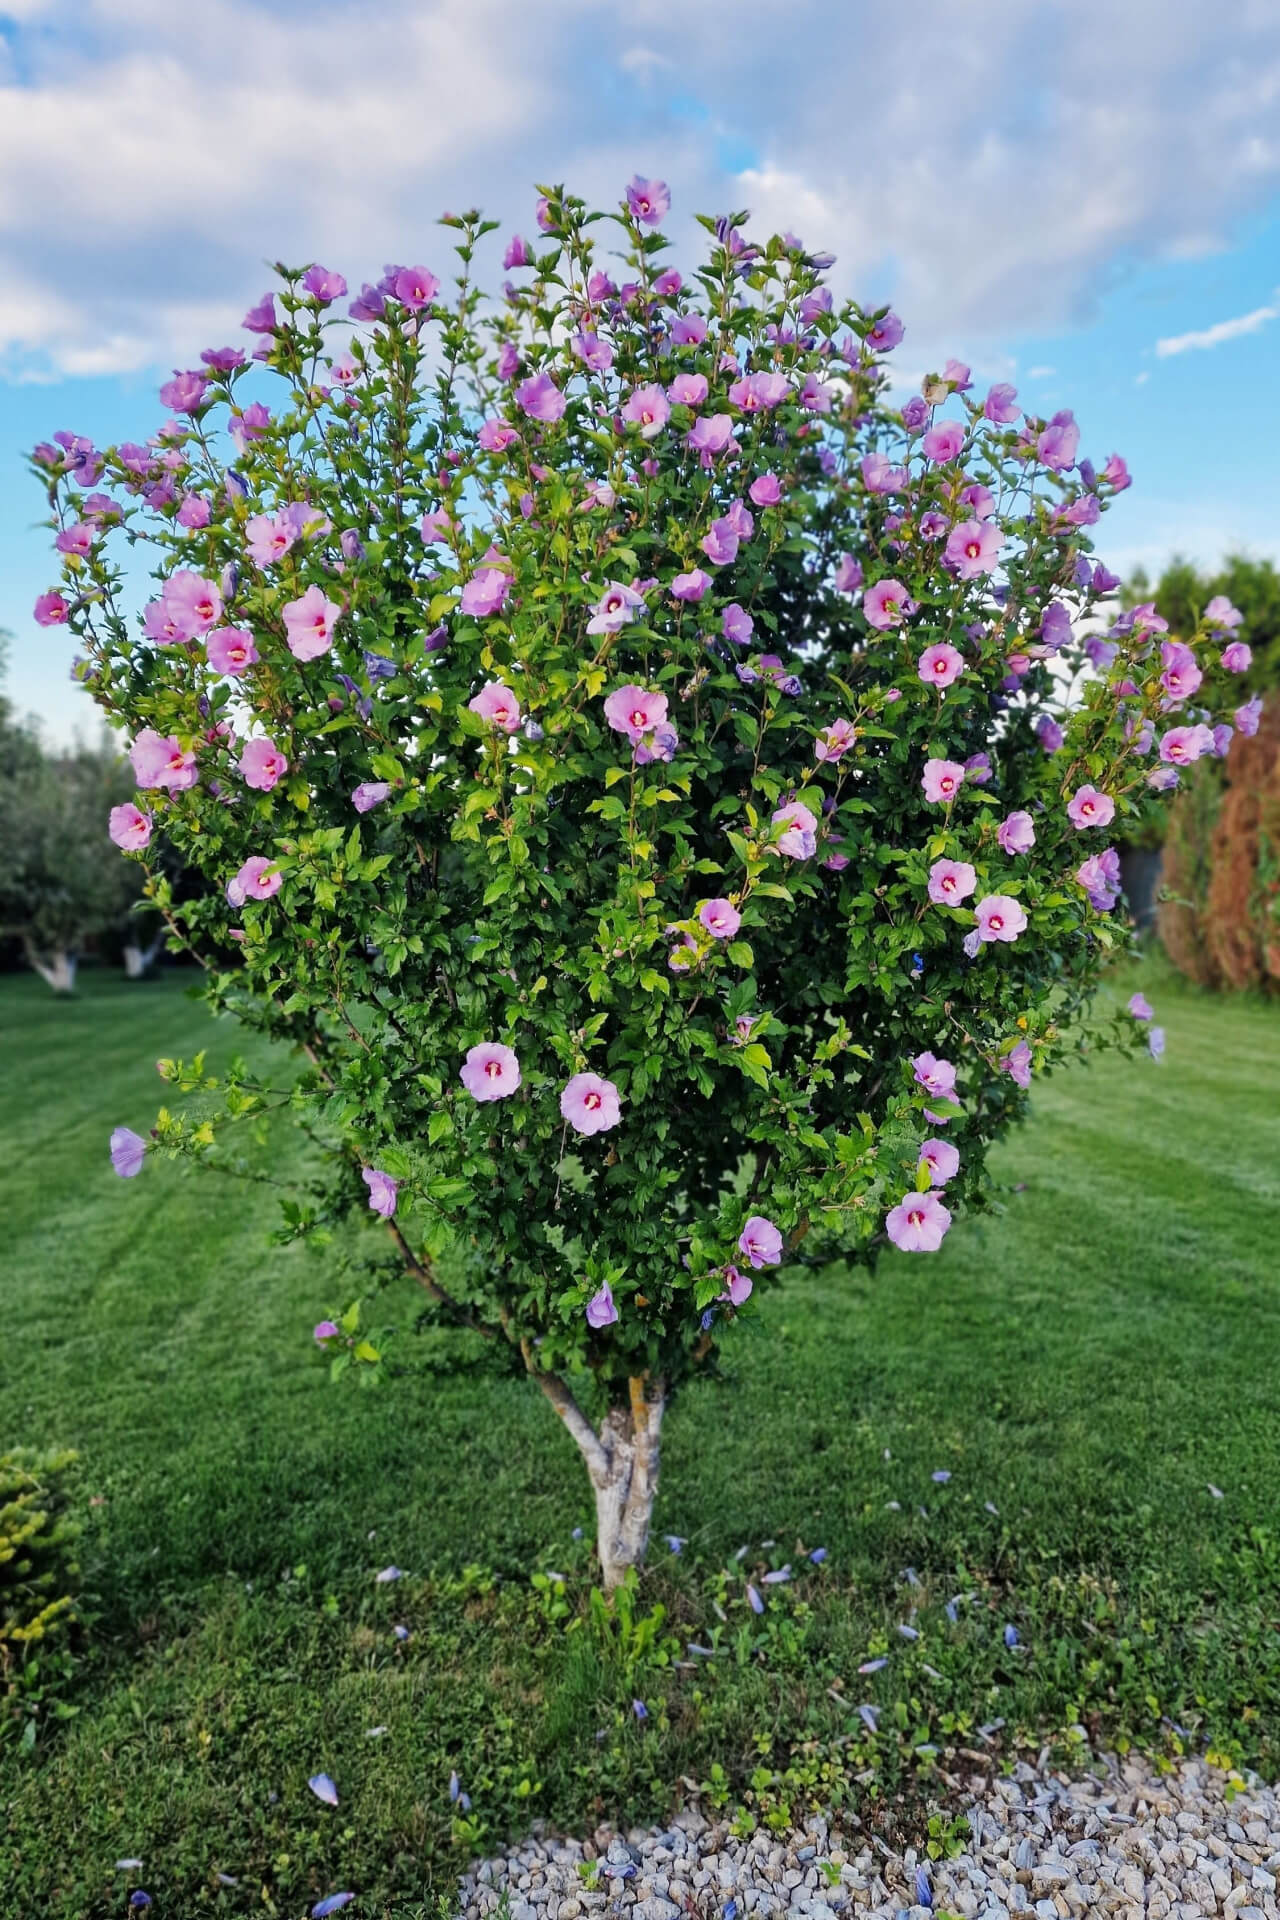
(1129,1841)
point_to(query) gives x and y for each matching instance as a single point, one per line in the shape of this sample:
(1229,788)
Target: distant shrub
(1221,924)
(39,1575)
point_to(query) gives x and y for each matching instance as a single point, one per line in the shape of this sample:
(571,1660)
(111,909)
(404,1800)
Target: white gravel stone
(1124,1843)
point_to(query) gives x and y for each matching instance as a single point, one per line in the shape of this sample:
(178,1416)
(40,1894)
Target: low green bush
(39,1576)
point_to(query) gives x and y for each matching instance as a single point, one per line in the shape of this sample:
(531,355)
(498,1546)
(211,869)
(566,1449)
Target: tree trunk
(58,970)
(138,959)
(622,1460)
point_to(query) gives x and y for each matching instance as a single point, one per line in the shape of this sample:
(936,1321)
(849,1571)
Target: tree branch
(576,1422)
(421,1271)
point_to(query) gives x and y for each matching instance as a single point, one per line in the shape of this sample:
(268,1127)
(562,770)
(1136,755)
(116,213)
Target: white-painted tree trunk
(625,1490)
(622,1460)
(138,959)
(57,969)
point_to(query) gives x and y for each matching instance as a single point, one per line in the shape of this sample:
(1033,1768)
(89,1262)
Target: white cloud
(152,156)
(1215,335)
(645,61)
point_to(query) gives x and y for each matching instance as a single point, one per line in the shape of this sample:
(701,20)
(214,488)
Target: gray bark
(57,968)
(622,1460)
(138,959)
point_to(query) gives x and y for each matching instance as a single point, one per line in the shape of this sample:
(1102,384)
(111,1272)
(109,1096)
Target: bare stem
(426,1279)
(575,1420)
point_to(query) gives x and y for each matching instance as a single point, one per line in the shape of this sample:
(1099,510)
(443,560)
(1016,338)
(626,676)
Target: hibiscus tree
(652,780)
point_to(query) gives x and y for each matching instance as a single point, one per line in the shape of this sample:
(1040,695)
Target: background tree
(1217,917)
(60,884)
(19,742)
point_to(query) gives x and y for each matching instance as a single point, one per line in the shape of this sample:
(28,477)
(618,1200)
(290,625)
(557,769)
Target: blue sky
(1083,198)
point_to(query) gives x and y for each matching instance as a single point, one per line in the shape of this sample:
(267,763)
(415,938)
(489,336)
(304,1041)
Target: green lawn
(1087,1365)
